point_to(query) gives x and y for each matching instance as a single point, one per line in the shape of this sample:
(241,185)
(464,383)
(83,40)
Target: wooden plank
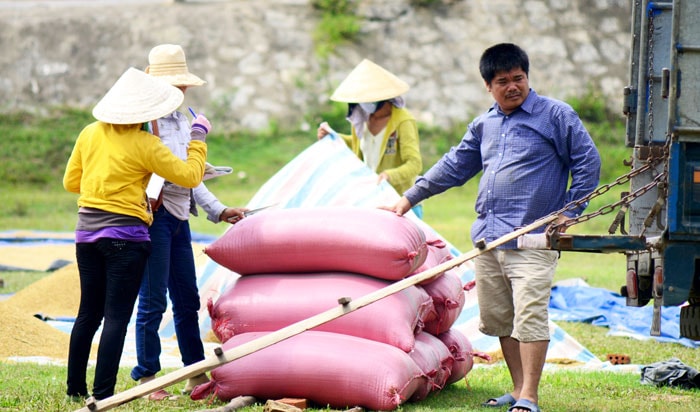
(223,357)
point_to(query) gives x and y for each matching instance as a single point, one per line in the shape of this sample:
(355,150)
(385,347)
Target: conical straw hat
(369,82)
(137,97)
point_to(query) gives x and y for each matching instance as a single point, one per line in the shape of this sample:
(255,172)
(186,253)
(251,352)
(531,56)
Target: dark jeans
(170,272)
(110,276)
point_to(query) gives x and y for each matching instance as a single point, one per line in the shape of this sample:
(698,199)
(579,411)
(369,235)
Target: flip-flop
(503,400)
(161,395)
(525,404)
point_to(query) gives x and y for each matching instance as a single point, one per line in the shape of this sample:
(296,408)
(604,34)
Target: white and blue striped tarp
(328,174)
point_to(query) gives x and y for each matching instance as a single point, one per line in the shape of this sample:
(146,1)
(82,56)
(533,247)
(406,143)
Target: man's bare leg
(511,353)
(525,362)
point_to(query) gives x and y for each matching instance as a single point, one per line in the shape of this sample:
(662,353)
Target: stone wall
(259,61)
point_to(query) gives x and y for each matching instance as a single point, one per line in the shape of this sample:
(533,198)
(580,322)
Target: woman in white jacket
(170,270)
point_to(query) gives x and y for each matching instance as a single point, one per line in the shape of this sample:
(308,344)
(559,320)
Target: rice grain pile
(35,255)
(55,295)
(21,334)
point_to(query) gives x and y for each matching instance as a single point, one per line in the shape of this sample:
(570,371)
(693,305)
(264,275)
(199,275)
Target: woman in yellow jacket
(384,134)
(110,166)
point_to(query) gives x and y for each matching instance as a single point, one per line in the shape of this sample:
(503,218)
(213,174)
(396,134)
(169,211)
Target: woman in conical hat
(383,133)
(109,167)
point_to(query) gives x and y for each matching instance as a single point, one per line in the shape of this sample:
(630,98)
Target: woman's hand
(233,214)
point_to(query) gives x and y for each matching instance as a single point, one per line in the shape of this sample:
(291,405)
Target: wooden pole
(223,357)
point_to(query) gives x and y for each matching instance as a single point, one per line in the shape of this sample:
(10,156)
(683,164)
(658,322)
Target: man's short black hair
(502,57)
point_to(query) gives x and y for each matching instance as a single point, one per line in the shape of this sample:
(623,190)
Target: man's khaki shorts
(513,288)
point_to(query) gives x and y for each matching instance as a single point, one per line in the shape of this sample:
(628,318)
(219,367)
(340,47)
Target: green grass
(33,199)
(15,281)
(30,387)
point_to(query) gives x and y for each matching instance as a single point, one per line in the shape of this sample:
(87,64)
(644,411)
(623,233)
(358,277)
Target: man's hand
(233,214)
(400,207)
(561,219)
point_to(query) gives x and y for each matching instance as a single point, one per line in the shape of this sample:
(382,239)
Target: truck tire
(690,322)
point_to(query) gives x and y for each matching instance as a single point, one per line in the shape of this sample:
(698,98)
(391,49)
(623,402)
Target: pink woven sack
(461,349)
(437,253)
(326,368)
(270,302)
(362,240)
(435,360)
(448,301)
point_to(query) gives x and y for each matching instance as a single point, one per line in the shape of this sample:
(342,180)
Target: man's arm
(584,163)
(455,168)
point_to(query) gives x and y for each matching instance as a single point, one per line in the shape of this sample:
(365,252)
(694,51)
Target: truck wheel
(690,322)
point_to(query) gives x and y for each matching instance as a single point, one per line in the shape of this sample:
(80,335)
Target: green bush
(607,130)
(591,106)
(338,24)
(334,6)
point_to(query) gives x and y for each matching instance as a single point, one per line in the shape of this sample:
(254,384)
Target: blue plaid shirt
(526,158)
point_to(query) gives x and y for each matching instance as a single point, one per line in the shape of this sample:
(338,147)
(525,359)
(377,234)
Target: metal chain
(650,75)
(663,190)
(649,165)
(663,187)
(625,200)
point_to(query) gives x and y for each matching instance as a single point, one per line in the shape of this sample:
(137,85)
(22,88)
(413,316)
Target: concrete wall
(259,60)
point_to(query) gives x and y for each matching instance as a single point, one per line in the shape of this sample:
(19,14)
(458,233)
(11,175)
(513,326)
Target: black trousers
(110,277)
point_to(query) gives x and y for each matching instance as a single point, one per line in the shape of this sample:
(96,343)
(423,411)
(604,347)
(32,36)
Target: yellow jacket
(111,164)
(400,158)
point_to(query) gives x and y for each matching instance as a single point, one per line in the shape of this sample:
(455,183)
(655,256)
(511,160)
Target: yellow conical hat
(369,82)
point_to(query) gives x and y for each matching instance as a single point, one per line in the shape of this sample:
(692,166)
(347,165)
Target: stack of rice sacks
(296,263)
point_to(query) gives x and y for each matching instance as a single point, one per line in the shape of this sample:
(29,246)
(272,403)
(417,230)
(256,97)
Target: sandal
(503,400)
(525,404)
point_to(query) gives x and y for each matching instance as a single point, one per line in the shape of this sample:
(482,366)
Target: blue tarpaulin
(578,302)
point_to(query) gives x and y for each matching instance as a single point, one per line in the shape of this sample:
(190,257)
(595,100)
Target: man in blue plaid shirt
(528,146)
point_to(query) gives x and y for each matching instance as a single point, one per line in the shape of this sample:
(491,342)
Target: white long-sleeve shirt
(174,131)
